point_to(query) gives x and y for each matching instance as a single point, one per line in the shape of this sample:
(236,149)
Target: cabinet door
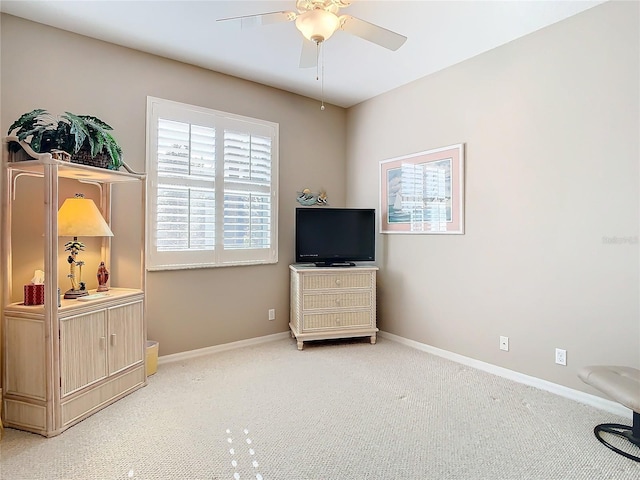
(25,357)
(125,336)
(83,357)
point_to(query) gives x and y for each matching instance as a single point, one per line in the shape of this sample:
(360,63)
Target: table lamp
(79,217)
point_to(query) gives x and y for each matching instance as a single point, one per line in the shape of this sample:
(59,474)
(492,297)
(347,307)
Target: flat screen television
(335,236)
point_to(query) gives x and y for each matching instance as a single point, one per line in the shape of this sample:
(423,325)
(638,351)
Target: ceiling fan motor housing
(317,25)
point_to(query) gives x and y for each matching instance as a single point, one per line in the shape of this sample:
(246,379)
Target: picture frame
(423,193)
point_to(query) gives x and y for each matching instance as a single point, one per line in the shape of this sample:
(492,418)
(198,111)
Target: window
(212,187)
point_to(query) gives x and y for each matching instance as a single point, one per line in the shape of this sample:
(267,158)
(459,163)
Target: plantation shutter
(213,188)
(248,208)
(186,195)
(247,192)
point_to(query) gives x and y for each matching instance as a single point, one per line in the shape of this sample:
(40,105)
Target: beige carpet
(337,410)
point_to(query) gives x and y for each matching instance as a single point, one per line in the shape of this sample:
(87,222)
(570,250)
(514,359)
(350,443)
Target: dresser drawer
(337,280)
(337,320)
(352,299)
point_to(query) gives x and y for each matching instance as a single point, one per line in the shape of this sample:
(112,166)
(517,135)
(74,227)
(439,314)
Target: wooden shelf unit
(63,363)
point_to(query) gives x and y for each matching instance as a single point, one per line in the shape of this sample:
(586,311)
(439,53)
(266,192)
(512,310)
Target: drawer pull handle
(337,321)
(103,341)
(338,282)
(337,301)
(113,339)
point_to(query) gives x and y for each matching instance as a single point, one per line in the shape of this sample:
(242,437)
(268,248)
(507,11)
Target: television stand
(331,302)
(336,264)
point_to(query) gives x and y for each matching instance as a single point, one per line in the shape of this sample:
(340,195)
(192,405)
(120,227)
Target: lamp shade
(317,25)
(79,217)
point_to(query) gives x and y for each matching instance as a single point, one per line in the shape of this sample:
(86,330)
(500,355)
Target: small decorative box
(34,294)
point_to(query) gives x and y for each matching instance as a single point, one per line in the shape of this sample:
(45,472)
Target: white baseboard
(578,396)
(561,390)
(221,348)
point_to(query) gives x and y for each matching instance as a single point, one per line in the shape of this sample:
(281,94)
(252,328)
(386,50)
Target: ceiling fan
(317,20)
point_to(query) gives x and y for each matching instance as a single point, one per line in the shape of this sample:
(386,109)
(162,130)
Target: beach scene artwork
(419,193)
(422,193)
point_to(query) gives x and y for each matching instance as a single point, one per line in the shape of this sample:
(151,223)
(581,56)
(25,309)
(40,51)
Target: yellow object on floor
(152,357)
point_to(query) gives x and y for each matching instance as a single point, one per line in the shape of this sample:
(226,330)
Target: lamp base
(73,294)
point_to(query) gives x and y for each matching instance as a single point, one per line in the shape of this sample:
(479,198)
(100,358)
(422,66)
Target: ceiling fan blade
(373,33)
(309,54)
(262,19)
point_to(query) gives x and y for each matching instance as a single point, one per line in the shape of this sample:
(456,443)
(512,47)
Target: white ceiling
(440,34)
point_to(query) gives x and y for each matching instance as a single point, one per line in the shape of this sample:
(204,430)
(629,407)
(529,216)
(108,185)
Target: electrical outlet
(561,356)
(504,343)
(272,314)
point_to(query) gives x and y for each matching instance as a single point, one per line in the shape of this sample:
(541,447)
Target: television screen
(335,236)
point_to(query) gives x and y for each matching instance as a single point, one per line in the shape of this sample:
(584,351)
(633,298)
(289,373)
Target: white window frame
(219,256)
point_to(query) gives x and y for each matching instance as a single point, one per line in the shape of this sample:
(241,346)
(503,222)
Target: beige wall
(551,127)
(47,68)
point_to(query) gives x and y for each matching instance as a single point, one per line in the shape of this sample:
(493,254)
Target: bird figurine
(306,198)
(322,198)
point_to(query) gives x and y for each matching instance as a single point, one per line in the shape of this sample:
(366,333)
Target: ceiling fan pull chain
(322,82)
(317,59)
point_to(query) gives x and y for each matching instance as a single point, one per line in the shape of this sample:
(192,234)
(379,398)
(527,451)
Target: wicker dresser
(330,302)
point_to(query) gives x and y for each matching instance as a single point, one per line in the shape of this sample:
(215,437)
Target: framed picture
(423,192)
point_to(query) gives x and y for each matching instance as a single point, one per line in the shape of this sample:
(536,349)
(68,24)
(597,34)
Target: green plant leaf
(36,143)
(115,152)
(78,129)
(98,141)
(27,120)
(100,125)
(35,130)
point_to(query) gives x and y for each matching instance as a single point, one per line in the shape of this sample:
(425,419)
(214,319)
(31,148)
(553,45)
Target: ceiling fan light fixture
(317,25)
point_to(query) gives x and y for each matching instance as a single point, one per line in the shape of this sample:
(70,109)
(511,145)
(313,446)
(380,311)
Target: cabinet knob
(337,321)
(338,282)
(337,301)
